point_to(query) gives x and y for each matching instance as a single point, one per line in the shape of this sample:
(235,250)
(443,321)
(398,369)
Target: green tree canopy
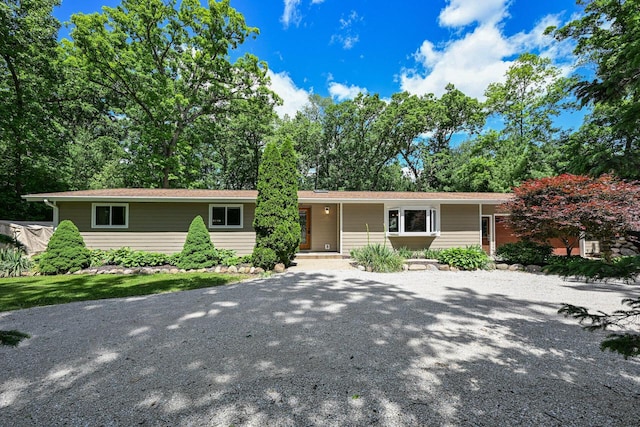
(168,71)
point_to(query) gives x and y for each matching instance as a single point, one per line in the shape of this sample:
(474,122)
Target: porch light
(326,210)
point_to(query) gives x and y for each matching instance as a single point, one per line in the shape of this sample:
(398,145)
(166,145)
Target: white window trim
(223,205)
(93,215)
(401,210)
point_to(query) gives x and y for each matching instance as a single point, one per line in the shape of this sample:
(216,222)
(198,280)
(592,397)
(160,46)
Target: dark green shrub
(198,250)
(265,258)
(469,258)
(624,268)
(13,262)
(377,257)
(525,252)
(66,251)
(276,220)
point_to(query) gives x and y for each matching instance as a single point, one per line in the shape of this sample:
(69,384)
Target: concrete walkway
(309,264)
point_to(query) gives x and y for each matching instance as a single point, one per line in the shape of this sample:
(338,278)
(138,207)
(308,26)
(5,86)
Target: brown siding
(158,227)
(166,241)
(459,226)
(324,227)
(152,216)
(355,219)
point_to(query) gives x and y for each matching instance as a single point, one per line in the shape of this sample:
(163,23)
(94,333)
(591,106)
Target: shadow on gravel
(313,349)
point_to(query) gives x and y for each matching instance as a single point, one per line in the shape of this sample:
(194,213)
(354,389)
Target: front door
(305,228)
(486,234)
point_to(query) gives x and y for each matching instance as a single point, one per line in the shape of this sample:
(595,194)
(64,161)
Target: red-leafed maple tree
(568,206)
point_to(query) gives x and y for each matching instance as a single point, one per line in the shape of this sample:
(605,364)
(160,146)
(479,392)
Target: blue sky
(338,48)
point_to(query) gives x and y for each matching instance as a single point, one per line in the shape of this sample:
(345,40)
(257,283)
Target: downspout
(56,217)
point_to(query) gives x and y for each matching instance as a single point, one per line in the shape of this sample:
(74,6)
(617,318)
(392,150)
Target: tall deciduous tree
(606,36)
(570,206)
(31,143)
(533,94)
(168,71)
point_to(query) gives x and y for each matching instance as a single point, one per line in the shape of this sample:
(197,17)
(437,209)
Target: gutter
(56,217)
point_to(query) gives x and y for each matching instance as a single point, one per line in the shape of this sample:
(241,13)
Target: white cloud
(459,13)
(290,14)
(340,92)
(347,37)
(480,56)
(293,97)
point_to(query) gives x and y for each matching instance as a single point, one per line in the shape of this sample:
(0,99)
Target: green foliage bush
(265,258)
(127,257)
(377,257)
(13,262)
(198,250)
(525,252)
(407,253)
(66,251)
(469,258)
(623,268)
(432,253)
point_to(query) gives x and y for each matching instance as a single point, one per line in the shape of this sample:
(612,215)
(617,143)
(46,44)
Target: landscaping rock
(279,268)
(218,269)
(431,267)
(252,270)
(502,266)
(417,267)
(444,267)
(533,268)
(232,269)
(361,268)
(405,267)
(174,270)
(515,267)
(127,271)
(259,270)
(627,252)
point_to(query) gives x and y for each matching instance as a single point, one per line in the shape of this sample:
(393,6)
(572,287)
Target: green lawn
(25,292)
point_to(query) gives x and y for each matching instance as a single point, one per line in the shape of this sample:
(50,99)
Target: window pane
(233,216)
(118,215)
(432,216)
(393,221)
(415,221)
(102,215)
(218,215)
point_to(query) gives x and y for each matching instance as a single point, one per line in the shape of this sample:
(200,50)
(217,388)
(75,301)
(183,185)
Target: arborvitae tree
(198,250)
(290,177)
(66,251)
(276,219)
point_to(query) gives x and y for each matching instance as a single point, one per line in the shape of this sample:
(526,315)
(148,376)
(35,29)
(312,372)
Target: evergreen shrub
(277,222)
(591,270)
(66,251)
(198,250)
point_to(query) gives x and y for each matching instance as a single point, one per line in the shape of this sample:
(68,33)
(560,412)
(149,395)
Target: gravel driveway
(324,348)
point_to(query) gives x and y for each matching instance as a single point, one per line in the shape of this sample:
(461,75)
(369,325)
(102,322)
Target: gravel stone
(320,347)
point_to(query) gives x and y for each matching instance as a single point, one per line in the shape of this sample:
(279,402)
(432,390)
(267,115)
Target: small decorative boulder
(279,268)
